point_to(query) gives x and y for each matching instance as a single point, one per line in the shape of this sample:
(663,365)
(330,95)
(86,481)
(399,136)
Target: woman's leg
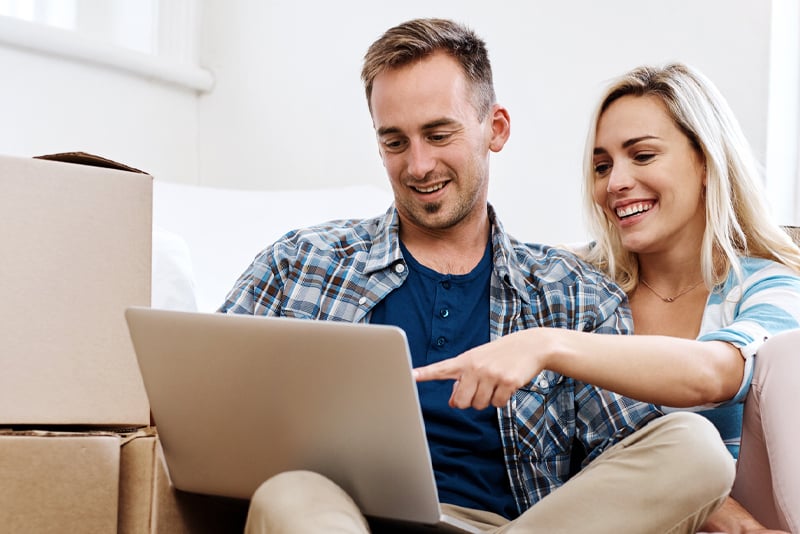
(768,470)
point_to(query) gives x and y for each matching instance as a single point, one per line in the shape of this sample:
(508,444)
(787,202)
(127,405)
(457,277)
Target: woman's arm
(657,369)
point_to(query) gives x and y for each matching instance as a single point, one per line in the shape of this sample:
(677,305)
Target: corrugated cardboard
(54,482)
(137,484)
(190,513)
(149,504)
(76,246)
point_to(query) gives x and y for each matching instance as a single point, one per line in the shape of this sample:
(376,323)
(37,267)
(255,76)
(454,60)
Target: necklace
(669,299)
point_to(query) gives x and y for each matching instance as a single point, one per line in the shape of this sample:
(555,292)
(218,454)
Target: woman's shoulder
(757,274)
(755,269)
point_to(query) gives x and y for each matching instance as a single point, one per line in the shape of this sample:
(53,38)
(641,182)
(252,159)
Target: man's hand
(732,518)
(488,374)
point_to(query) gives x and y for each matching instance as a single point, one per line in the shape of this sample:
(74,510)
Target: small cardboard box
(100,482)
(76,245)
(150,504)
(59,482)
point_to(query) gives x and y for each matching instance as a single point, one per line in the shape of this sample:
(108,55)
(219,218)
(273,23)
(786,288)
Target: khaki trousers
(665,478)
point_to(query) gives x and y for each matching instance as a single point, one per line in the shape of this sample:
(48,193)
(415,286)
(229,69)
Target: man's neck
(451,251)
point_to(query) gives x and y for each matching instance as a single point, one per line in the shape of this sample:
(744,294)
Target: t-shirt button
(440,341)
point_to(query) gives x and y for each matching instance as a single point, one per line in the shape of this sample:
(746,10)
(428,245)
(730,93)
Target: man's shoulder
(340,237)
(549,264)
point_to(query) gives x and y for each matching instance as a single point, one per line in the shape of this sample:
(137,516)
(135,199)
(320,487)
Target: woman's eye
(601,168)
(644,157)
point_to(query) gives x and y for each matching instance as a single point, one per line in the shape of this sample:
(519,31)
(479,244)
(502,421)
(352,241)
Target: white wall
(288,109)
(50,103)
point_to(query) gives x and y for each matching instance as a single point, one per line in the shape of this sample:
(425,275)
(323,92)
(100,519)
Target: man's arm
(259,289)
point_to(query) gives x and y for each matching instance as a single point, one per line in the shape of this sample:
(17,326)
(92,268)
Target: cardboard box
(59,482)
(76,242)
(101,482)
(169,511)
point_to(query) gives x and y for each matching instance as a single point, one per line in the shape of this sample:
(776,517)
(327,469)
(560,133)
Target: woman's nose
(619,179)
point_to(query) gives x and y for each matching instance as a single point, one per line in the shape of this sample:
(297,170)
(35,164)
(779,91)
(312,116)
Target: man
(439,265)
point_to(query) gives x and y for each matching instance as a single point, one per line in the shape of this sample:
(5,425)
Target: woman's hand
(490,374)
(732,518)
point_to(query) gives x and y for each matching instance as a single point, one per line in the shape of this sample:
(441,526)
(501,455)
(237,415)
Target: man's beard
(432,207)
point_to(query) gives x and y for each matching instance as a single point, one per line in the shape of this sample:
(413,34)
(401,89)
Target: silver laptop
(237,399)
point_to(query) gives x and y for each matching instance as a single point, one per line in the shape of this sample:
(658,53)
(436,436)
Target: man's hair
(738,222)
(420,38)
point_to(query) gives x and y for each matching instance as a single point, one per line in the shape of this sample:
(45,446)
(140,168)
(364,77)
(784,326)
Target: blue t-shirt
(444,315)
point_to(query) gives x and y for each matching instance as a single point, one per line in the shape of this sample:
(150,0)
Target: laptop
(237,399)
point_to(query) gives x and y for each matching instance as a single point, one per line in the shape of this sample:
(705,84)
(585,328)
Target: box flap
(85,158)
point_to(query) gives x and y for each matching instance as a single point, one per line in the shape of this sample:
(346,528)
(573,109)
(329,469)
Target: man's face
(434,147)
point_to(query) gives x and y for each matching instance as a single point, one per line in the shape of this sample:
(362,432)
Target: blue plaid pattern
(341,269)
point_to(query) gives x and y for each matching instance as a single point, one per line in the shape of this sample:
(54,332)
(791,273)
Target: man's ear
(501,127)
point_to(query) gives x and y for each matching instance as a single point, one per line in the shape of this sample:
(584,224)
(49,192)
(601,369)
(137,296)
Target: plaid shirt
(342,269)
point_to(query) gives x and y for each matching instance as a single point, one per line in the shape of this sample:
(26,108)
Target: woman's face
(648,177)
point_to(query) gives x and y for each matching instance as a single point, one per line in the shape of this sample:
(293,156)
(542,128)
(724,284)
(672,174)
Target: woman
(681,224)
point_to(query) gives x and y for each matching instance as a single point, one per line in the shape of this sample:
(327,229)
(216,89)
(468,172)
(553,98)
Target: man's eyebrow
(387,130)
(438,123)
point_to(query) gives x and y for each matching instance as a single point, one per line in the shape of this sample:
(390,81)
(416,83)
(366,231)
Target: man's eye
(394,145)
(439,137)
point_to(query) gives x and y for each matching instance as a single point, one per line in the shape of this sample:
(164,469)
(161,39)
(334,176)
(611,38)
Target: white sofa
(203,237)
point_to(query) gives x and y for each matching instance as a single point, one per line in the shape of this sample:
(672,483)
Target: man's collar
(385,250)
(506,265)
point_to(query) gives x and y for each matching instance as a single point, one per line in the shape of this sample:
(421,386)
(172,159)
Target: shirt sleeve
(747,314)
(258,290)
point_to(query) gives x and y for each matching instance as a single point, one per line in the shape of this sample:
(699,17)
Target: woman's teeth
(633,209)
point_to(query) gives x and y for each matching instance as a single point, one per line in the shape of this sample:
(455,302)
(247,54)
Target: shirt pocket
(545,417)
(301,301)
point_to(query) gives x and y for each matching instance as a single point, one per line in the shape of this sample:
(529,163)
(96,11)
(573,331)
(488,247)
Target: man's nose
(421,159)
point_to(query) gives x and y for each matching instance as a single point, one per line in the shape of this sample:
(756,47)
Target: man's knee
(303,501)
(700,460)
(282,490)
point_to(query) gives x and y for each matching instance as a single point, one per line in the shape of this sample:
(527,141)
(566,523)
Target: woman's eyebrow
(635,140)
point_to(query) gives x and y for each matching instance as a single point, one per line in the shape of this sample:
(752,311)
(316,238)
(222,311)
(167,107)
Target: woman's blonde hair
(738,222)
